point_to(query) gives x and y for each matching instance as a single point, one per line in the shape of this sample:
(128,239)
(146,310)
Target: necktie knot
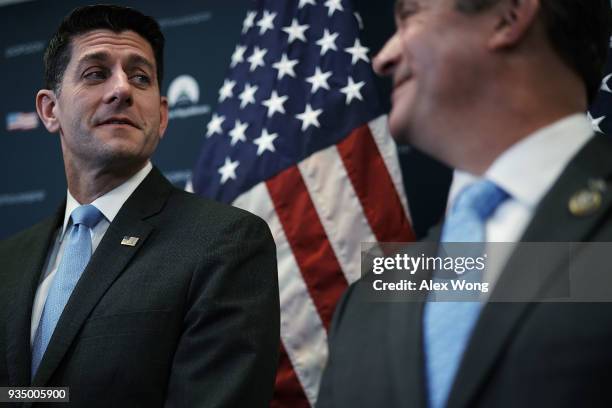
(481,198)
(87,215)
(474,205)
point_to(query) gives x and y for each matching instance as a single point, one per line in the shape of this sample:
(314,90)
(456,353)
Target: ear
(515,18)
(163,115)
(45,107)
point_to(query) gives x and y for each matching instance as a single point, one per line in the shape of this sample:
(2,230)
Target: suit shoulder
(352,305)
(13,242)
(207,210)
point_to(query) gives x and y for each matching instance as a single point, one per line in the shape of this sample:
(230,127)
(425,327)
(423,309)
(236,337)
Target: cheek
(151,114)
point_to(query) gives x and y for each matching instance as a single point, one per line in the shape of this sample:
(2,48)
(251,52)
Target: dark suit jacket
(189,317)
(526,354)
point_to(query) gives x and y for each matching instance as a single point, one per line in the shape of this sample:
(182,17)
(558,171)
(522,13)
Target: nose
(385,61)
(120,90)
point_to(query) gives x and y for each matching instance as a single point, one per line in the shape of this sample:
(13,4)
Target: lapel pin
(585,202)
(129,241)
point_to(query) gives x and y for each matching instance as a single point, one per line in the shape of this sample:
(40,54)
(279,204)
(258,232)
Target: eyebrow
(102,56)
(400,4)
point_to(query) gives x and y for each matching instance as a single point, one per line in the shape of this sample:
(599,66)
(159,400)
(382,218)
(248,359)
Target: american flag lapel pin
(129,241)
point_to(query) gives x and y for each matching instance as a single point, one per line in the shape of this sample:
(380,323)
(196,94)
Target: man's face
(109,110)
(434,59)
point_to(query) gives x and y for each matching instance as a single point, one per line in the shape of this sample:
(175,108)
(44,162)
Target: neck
(87,184)
(483,146)
(514,107)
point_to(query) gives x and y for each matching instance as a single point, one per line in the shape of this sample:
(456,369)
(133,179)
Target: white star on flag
(238,55)
(595,122)
(266,22)
(265,142)
(228,170)
(604,84)
(352,90)
(285,67)
(327,42)
(358,52)
(226,90)
(296,31)
(237,133)
(333,6)
(309,117)
(319,80)
(249,21)
(214,126)
(257,58)
(275,103)
(247,95)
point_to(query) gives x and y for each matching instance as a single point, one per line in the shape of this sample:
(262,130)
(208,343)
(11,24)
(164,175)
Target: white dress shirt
(526,171)
(109,205)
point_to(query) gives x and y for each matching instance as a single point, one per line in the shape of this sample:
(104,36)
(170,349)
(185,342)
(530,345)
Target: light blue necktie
(74,260)
(448,325)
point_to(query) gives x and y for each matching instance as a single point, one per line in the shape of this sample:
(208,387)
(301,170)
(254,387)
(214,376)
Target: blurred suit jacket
(189,317)
(526,354)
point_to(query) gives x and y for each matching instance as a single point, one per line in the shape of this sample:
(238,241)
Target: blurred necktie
(448,325)
(74,260)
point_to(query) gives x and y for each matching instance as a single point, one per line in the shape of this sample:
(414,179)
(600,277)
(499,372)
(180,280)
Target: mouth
(118,121)
(398,85)
(399,81)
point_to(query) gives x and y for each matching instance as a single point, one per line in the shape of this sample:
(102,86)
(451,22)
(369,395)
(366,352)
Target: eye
(141,79)
(95,75)
(404,12)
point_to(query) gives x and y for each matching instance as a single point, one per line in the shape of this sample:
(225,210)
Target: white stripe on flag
(302,331)
(379,128)
(338,207)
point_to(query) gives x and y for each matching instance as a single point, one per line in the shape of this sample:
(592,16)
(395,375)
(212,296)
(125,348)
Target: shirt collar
(529,168)
(110,203)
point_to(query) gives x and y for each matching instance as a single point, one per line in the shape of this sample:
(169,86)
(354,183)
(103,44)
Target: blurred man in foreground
(498,90)
(135,294)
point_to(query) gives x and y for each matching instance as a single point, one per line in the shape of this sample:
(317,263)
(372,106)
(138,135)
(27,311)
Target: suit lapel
(404,356)
(552,222)
(106,265)
(408,372)
(37,248)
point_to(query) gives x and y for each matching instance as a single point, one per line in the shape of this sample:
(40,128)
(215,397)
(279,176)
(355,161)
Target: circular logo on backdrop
(183,91)
(183,97)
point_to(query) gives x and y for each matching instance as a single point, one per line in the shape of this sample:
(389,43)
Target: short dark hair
(579,32)
(84,19)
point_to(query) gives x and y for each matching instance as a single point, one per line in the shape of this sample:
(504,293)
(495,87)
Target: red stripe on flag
(374,187)
(308,241)
(288,391)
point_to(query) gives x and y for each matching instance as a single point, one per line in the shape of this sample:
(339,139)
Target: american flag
(298,137)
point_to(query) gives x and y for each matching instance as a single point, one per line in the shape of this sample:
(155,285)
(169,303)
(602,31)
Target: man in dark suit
(497,89)
(135,294)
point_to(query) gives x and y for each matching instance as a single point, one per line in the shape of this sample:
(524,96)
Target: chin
(398,128)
